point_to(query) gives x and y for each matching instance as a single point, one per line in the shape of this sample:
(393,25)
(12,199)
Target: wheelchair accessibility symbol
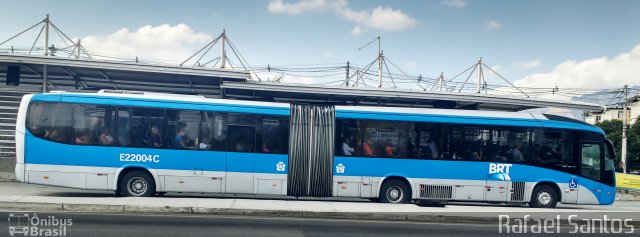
(573,183)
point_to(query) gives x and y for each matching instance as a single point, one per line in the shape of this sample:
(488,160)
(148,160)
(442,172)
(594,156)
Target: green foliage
(613,130)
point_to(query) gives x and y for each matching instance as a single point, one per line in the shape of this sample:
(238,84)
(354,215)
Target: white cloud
(455,3)
(601,72)
(165,43)
(278,6)
(492,25)
(527,64)
(380,18)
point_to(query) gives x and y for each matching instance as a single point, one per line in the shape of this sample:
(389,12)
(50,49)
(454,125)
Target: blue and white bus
(142,144)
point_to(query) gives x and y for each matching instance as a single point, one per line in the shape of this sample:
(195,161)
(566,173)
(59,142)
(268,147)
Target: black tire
(544,196)
(137,184)
(394,191)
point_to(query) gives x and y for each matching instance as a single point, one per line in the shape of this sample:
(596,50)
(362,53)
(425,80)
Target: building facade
(616,112)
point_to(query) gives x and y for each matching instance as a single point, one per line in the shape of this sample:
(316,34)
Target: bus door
(240,153)
(590,167)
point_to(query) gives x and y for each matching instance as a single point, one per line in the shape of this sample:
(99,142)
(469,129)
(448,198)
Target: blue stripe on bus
(168,104)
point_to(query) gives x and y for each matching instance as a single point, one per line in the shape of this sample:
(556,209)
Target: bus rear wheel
(137,184)
(543,196)
(394,191)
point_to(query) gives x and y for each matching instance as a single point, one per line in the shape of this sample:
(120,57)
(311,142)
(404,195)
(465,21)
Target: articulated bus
(143,144)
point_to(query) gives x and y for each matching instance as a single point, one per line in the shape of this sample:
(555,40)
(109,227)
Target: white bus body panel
(20,138)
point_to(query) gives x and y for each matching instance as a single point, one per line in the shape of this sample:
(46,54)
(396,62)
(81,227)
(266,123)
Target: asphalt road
(92,224)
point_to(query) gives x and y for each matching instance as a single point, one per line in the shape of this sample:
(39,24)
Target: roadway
(142,225)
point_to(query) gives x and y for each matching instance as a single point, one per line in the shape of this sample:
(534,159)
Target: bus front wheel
(394,191)
(137,184)
(543,196)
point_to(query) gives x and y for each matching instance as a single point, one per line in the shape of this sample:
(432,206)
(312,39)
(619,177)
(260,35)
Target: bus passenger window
(273,135)
(242,133)
(51,121)
(38,120)
(219,136)
(510,145)
(347,138)
(241,138)
(183,128)
(474,144)
(136,127)
(553,149)
(92,124)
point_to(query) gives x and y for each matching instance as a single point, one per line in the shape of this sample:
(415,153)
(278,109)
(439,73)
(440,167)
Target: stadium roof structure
(73,74)
(339,95)
(90,74)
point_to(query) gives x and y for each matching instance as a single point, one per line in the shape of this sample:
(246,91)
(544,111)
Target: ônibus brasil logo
(33,225)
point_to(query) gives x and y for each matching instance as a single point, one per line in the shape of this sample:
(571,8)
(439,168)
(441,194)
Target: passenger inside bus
(388,149)
(55,135)
(433,149)
(181,139)
(105,137)
(366,148)
(204,144)
(156,137)
(347,150)
(265,148)
(82,138)
(516,153)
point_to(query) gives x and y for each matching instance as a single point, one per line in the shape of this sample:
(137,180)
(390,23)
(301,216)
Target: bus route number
(128,157)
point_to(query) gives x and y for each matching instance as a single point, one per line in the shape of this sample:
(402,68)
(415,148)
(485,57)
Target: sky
(536,43)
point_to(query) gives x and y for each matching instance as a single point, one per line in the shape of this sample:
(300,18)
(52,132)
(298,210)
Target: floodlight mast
(380,58)
(45,74)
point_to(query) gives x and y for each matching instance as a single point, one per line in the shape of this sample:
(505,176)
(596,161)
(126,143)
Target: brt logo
(499,168)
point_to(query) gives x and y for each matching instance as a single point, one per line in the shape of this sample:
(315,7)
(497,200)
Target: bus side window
(242,132)
(510,145)
(92,124)
(39,119)
(51,121)
(269,128)
(122,131)
(183,128)
(554,149)
(219,136)
(347,137)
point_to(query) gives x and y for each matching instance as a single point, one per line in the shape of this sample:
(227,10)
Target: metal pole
(78,47)
(46,53)
(346,81)
(223,55)
(624,130)
(479,75)
(380,58)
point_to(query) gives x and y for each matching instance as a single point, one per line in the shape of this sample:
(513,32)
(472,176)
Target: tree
(613,130)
